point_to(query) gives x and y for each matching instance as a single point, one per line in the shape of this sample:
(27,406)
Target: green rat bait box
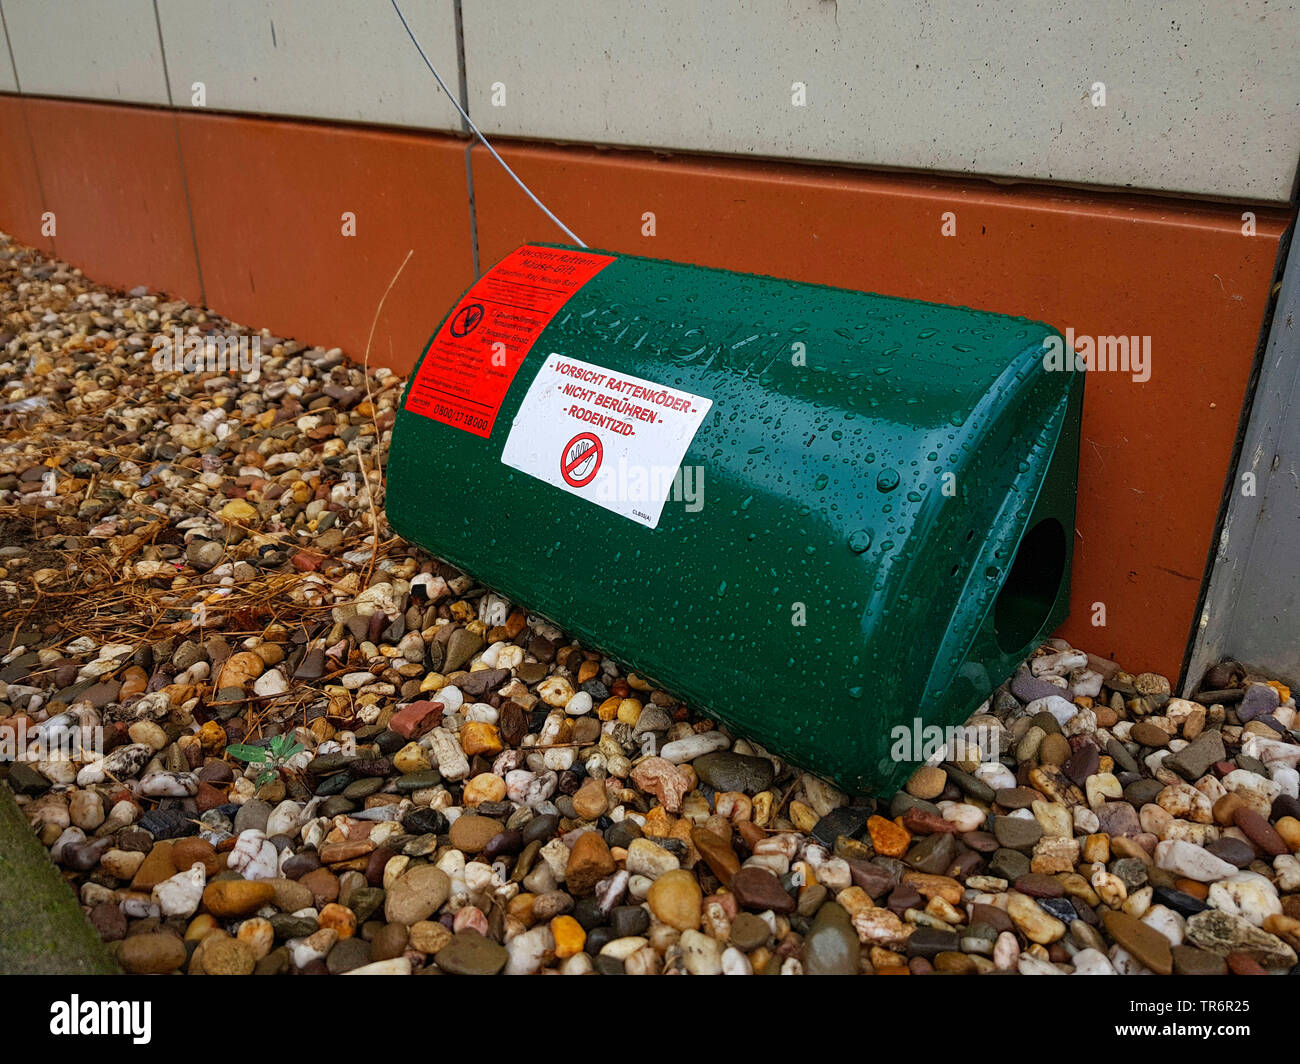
(825,517)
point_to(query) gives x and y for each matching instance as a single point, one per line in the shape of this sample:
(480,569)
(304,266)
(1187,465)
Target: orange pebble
(889,838)
(570,938)
(340,918)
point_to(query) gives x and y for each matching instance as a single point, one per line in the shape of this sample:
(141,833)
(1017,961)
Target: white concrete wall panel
(106,50)
(1201,98)
(346,60)
(8,83)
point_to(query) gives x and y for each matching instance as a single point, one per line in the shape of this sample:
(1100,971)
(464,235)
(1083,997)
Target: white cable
(482,139)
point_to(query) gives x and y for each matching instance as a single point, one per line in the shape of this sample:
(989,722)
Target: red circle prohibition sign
(580,460)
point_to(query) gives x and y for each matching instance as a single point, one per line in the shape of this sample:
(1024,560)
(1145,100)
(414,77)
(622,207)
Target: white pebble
(1287,778)
(169,785)
(272,683)
(692,746)
(450,697)
(527,951)
(1246,894)
(578,705)
(1167,922)
(1125,963)
(1287,867)
(284,818)
(965,817)
(1190,860)
(701,954)
(254,856)
(1092,962)
(1028,964)
(180,894)
(996,775)
(481,713)
(1006,951)
(1058,664)
(1060,708)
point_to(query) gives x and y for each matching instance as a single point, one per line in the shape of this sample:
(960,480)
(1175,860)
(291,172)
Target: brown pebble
(323,884)
(1245,964)
(388,942)
(717,854)
(589,862)
(191,851)
(157,866)
(993,916)
(1039,886)
(229,898)
(208,797)
(923,822)
(927,782)
(1148,945)
(1225,808)
(471,832)
(1188,960)
(1149,735)
(1017,797)
(1259,831)
(1054,750)
(152,954)
(227,956)
(1127,846)
(953,963)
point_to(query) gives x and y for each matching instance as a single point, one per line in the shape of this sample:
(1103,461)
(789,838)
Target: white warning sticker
(613,439)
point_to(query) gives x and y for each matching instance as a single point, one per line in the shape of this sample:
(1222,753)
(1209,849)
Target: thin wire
(478,133)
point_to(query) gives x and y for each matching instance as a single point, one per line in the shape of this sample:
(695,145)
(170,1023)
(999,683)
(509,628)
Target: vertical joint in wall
(463,88)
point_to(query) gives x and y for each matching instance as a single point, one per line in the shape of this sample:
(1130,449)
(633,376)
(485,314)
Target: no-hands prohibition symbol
(467,319)
(580,459)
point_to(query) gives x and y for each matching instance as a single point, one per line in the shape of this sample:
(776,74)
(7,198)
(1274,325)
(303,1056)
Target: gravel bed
(316,749)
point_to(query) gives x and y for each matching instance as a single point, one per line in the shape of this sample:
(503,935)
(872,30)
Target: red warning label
(468,368)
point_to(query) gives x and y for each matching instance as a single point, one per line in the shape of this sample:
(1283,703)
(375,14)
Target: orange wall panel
(112,176)
(269,198)
(266,198)
(1154,456)
(20,192)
